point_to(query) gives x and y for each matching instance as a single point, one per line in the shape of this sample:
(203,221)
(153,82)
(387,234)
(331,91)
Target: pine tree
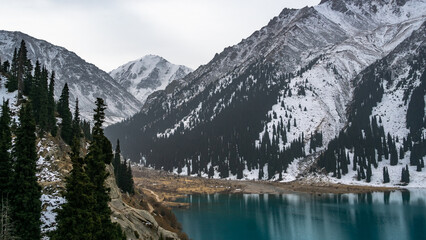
(26,204)
(130,186)
(405,175)
(42,117)
(12,81)
(76,121)
(34,96)
(51,119)
(97,157)
(85,126)
(65,114)
(5,146)
(369,173)
(24,69)
(76,218)
(385,175)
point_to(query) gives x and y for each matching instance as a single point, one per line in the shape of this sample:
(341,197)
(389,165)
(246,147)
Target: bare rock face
(136,223)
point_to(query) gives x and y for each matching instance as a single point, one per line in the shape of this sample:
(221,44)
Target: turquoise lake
(392,215)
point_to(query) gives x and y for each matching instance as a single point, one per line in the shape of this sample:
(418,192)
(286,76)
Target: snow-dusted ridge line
(86,82)
(150,73)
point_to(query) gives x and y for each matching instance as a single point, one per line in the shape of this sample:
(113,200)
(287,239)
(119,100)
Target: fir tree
(24,69)
(76,121)
(369,173)
(129,180)
(65,114)
(5,146)
(76,218)
(34,96)
(385,175)
(26,204)
(97,157)
(12,81)
(85,126)
(42,90)
(51,119)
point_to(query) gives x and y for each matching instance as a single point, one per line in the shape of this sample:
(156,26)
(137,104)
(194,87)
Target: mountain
(148,74)
(268,107)
(85,81)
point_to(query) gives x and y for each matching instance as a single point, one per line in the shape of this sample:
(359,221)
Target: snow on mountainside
(148,74)
(85,80)
(331,77)
(305,60)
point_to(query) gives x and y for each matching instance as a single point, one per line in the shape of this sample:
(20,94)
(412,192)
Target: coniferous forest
(85,214)
(228,144)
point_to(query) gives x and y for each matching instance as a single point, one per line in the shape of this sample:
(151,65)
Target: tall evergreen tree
(385,175)
(12,81)
(65,113)
(76,121)
(51,119)
(76,219)
(24,69)
(97,157)
(5,146)
(42,93)
(130,186)
(26,204)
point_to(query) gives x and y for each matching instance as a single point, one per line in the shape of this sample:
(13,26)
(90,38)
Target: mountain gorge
(85,81)
(279,95)
(148,74)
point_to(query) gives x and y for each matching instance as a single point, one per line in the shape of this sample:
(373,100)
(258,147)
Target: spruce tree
(76,218)
(34,96)
(65,114)
(5,146)
(26,204)
(51,119)
(96,159)
(385,175)
(42,118)
(24,69)
(12,81)
(129,180)
(76,121)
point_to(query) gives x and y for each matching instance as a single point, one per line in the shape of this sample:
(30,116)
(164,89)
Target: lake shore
(167,187)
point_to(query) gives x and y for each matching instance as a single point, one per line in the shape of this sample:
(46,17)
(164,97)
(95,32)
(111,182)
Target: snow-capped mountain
(148,74)
(85,80)
(252,109)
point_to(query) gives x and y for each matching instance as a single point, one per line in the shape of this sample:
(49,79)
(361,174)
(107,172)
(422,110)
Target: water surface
(392,215)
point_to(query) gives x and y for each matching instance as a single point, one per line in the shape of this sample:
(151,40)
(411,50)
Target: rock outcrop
(136,223)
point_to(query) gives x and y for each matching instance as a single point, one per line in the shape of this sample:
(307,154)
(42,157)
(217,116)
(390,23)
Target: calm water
(395,215)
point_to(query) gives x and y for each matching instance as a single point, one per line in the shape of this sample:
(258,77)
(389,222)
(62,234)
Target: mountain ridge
(306,59)
(85,80)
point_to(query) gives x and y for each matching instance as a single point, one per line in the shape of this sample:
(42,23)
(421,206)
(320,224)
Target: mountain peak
(145,75)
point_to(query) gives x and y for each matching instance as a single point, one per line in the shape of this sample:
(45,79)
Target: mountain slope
(255,107)
(148,74)
(85,80)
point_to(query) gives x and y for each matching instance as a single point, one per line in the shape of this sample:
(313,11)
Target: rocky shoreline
(167,187)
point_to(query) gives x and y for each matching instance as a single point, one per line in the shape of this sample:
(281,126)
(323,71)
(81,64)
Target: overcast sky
(109,33)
